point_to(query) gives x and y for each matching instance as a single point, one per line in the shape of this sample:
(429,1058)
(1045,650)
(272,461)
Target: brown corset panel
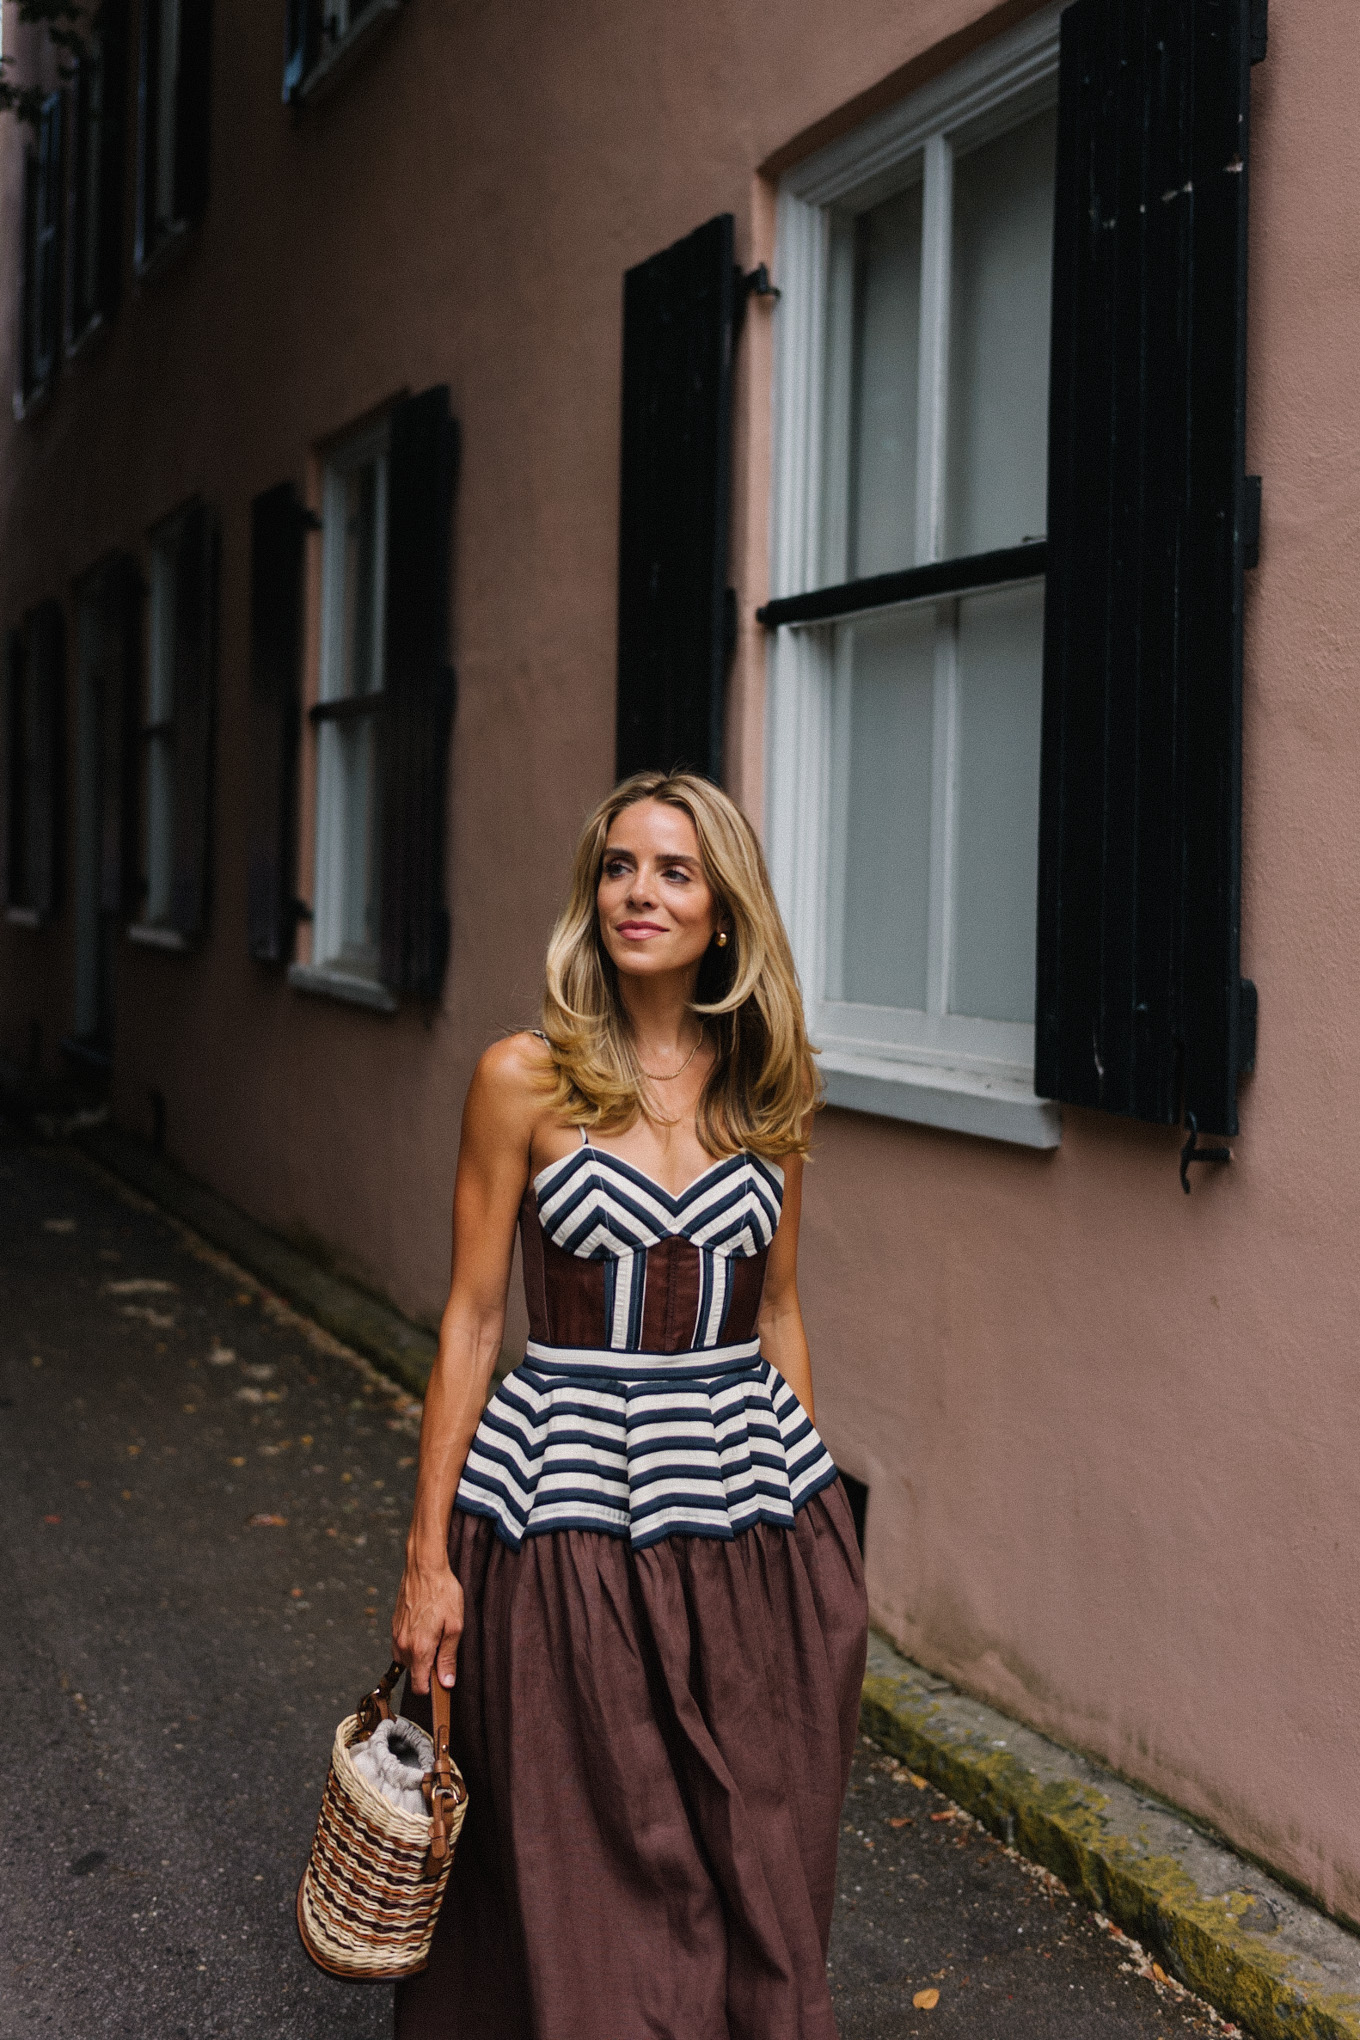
(565,1294)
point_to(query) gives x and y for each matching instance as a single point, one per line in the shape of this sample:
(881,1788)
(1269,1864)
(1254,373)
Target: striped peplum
(643,1407)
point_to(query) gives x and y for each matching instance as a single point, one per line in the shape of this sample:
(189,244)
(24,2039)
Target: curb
(1262,1956)
(372,1327)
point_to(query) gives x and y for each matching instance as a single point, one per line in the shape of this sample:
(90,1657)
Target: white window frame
(328,972)
(934,1068)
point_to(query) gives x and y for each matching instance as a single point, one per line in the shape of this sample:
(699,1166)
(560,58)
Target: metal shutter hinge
(1193,1152)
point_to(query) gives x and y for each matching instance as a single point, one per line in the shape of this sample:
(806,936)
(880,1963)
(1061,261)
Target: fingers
(446,1658)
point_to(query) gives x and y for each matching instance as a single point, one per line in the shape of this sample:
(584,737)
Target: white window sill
(338,984)
(152,936)
(996,1106)
(327,71)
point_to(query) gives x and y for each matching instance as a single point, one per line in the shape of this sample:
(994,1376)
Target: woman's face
(657,910)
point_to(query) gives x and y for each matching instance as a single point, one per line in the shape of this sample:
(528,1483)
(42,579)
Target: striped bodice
(643,1406)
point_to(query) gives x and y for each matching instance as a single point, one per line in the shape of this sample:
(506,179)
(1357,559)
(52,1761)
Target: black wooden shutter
(301,43)
(1139,996)
(26,276)
(47,241)
(679,312)
(113,57)
(16,805)
(193,108)
(195,633)
(45,702)
(120,596)
(276,559)
(148,74)
(419,687)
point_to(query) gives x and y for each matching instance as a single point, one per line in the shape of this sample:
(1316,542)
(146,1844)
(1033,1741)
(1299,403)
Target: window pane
(1002,272)
(879,905)
(882,501)
(347,842)
(363,673)
(1000,690)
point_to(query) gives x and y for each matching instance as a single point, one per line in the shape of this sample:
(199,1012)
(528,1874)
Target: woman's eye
(678,872)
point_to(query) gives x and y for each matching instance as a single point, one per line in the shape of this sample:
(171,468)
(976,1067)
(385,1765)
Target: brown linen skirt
(657,1746)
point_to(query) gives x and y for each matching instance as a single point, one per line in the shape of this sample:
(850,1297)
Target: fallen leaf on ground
(51,1519)
(236,1462)
(221,1356)
(83,1483)
(262,1370)
(161,1319)
(264,1521)
(250,1395)
(59,1225)
(903,1820)
(140,1285)
(1160,1973)
(127,1494)
(948,1814)
(919,1783)
(926,2000)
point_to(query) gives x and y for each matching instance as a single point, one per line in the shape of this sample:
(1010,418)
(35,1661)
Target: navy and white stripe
(697,1455)
(597,1206)
(701,1443)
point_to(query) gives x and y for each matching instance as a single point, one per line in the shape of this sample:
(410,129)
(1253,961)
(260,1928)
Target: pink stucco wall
(1111,1434)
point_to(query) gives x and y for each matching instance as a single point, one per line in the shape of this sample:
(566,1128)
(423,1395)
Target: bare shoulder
(508,1085)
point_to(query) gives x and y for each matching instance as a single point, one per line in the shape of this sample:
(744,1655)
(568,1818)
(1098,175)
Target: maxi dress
(658,1680)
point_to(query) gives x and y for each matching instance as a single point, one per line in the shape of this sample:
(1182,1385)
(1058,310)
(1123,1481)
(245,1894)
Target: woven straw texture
(365,1907)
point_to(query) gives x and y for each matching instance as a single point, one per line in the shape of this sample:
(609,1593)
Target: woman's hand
(427,1623)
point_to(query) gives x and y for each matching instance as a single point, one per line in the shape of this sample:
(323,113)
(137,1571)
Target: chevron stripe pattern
(639,1445)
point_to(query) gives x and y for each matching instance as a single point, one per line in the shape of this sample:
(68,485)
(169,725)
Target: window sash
(349,717)
(988,94)
(158,733)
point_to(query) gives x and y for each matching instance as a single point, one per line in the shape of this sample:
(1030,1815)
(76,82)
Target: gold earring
(721,938)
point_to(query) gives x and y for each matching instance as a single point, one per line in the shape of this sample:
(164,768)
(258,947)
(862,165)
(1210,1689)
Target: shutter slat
(276,566)
(419,686)
(1140,803)
(194,660)
(679,312)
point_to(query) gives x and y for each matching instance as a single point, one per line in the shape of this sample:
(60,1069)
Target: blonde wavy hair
(762,1089)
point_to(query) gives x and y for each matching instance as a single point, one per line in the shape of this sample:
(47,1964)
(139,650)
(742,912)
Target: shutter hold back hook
(1193,1152)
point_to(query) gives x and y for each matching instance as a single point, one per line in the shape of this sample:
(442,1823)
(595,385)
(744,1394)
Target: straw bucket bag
(370,1895)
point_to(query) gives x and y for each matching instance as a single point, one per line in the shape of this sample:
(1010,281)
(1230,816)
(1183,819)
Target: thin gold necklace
(671,1075)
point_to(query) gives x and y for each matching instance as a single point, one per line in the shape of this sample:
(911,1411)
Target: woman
(638,1562)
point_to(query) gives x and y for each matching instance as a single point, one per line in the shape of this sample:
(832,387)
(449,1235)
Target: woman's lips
(641,928)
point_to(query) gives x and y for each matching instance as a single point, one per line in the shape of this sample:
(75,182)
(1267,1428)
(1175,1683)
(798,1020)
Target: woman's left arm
(782,1338)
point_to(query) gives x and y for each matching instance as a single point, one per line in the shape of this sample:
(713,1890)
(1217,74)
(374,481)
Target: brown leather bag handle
(442,1785)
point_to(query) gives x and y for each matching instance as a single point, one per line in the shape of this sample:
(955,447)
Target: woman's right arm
(503,1104)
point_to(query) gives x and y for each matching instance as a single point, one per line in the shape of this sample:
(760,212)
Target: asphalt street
(202,1505)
